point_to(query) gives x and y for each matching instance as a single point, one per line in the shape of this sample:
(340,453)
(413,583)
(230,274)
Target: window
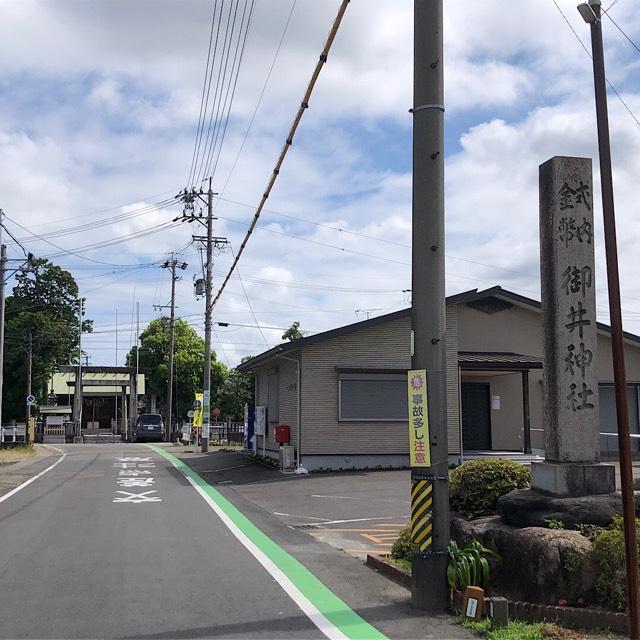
(372,396)
(273,383)
(609,421)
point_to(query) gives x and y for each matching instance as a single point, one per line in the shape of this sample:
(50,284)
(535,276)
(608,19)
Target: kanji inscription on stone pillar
(569,306)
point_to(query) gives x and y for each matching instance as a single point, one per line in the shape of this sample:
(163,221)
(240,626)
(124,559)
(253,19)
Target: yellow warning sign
(198,410)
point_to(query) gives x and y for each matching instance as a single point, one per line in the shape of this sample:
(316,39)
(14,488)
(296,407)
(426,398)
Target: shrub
(608,552)
(476,485)
(403,548)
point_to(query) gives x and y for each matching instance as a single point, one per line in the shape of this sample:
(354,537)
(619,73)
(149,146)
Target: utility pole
(209,241)
(429,585)
(3,272)
(77,396)
(592,14)
(171,264)
(116,375)
(206,394)
(29,365)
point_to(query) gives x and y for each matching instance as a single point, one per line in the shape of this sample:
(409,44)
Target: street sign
(190,414)
(31,400)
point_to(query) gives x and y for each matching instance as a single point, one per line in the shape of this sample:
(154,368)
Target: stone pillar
(572,424)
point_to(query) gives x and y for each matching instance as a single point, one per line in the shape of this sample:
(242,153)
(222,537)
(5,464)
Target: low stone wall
(574,617)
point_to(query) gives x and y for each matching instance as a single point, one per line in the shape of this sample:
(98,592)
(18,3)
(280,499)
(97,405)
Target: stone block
(499,612)
(573,479)
(538,565)
(529,508)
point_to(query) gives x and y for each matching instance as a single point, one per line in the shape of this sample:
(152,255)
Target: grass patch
(400,562)
(15,454)
(518,630)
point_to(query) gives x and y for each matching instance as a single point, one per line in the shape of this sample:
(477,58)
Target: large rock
(530,508)
(537,564)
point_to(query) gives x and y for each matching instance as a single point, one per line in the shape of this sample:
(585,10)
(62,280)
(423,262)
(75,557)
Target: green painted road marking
(334,609)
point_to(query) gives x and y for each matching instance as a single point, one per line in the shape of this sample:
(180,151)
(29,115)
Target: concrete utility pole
(206,393)
(29,365)
(171,264)
(3,271)
(209,241)
(592,14)
(429,585)
(77,396)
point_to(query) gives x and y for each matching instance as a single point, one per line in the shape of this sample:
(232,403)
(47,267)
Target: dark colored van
(149,426)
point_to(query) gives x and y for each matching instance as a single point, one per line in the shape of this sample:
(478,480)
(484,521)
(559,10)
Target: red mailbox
(281,433)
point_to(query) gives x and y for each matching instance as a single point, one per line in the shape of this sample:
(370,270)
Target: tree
(293,332)
(235,393)
(44,303)
(188,363)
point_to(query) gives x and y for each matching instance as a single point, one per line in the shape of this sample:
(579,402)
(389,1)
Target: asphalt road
(76,564)
(114,542)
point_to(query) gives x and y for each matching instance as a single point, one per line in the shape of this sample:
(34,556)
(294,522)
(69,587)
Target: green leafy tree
(235,393)
(188,363)
(293,332)
(44,303)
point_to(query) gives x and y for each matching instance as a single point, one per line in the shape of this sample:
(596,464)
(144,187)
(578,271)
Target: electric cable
(204,87)
(575,33)
(289,141)
(264,88)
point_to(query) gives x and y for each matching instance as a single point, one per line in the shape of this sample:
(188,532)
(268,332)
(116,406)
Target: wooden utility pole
(592,14)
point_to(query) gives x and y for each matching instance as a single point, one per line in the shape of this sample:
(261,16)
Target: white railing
(10,434)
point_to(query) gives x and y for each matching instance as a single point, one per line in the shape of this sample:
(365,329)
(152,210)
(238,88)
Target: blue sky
(99,107)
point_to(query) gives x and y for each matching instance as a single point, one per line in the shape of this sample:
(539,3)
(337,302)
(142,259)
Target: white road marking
(15,490)
(239,466)
(307,607)
(128,483)
(137,498)
(315,495)
(320,524)
(291,515)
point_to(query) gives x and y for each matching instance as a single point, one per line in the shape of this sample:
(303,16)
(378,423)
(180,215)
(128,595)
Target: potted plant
(467,574)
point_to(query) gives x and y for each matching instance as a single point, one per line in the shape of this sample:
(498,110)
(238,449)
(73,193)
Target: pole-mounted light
(587,13)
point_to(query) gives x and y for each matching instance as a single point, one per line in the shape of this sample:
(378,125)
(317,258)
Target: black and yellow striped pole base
(422,514)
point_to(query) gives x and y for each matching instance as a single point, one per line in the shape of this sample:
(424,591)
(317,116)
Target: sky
(99,112)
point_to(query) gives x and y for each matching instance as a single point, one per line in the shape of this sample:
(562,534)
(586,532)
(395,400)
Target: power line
(209,169)
(619,28)
(90,226)
(66,251)
(289,141)
(357,234)
(264,88)
(248,301)
(204,88)
(582,44)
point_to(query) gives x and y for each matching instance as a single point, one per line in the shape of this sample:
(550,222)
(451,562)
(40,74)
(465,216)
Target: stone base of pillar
(573,478)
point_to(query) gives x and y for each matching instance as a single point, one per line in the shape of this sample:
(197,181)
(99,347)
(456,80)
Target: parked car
(149,426)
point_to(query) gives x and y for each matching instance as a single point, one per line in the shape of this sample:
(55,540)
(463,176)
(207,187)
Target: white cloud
(105,98)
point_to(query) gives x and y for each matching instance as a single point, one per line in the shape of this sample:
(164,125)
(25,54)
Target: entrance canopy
(482,395)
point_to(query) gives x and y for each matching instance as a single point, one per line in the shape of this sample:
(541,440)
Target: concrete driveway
(359,512)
